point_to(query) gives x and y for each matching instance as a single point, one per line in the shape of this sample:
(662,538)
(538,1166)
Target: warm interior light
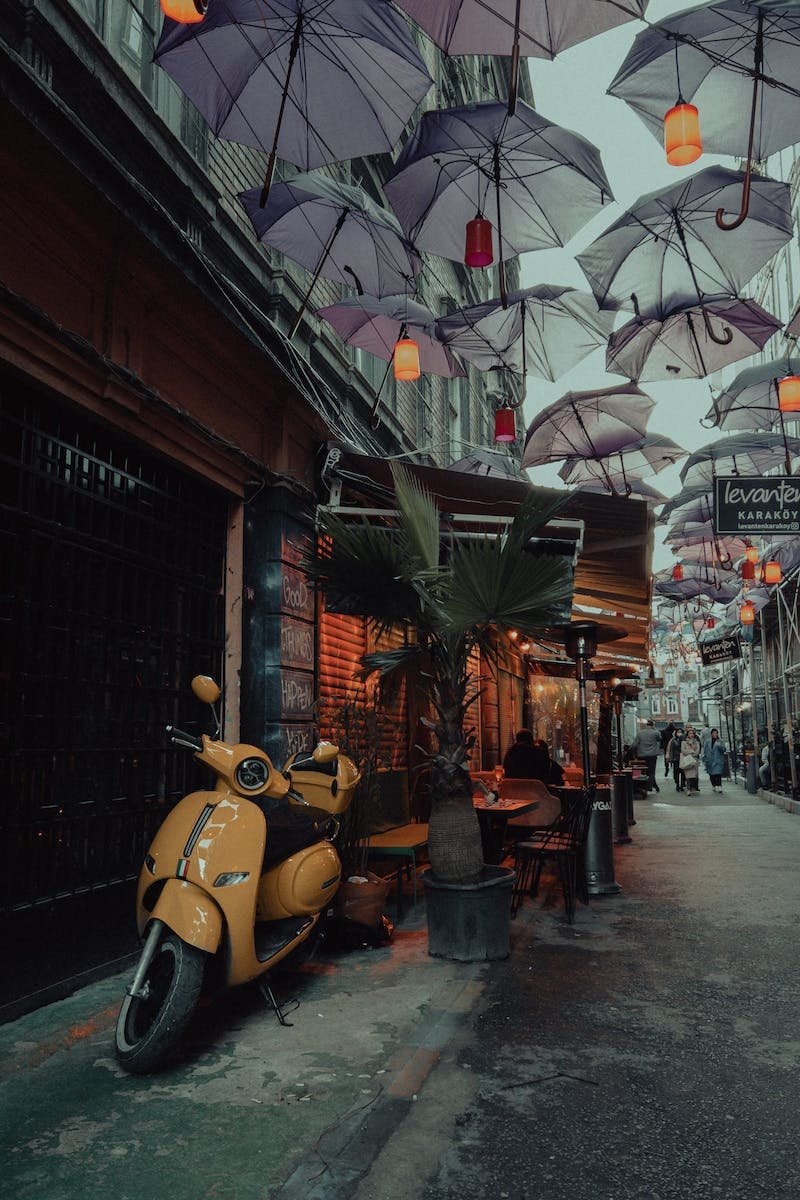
(751,554)
(406,360)
(682,140)
(478,247)
(748,570)
(710,622)
(505,425)
(772,572)
(513,634)
(677,572)
(789,394)
(747,613)
(524,647)
(185,12)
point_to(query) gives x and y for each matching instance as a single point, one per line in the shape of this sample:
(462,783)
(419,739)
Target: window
(655,703)
(672,705)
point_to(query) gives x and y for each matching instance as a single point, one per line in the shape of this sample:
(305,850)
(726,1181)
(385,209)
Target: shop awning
(613,535)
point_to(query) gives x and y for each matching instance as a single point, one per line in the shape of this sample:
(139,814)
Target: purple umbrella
(739,454)
(542,330)
(314,81)
(375,326)
(676,344)
(589,424)
(647,455)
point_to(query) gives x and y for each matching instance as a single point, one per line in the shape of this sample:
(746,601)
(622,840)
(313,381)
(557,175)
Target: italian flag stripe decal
(183,868)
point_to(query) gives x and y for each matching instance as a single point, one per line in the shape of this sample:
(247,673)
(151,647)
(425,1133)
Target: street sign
(720,650)
(746,504)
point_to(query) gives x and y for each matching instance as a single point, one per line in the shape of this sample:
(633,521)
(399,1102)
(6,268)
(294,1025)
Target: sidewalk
(649,1051)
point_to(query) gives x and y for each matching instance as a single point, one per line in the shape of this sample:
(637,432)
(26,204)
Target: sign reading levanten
(746,504)
(720,650)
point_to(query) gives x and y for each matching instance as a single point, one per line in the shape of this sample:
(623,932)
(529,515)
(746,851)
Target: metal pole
(787,703)
(765,686)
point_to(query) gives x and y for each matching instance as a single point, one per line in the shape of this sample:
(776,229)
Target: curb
(780,801)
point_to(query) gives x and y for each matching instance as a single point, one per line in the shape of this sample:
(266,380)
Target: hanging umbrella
(667,249)
(314,81)
(676,344)
(587,423)
(750,401)
(647,455)
(376,325)
(793,328)
(518,27)
(633,489)
(712,552)
(726,59)
(335,231)
(541,183)
(487,462)
(739,454)
(697,581)
(688,502)
(542,330)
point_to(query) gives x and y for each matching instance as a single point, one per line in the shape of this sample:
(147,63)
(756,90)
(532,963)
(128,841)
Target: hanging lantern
(185,12)
(789,394)
(748,570)
(682,140)
(406,360)
(677,573)
(478,248)
(747,613)
(710,622)
(505,425)
(751,554)
(772,572)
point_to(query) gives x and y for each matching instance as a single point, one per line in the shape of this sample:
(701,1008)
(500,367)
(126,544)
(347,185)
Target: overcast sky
(571,91)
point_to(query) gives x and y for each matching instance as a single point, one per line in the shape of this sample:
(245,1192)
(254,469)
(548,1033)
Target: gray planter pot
(470,922)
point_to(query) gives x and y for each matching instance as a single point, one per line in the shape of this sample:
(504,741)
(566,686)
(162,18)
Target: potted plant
(454,594)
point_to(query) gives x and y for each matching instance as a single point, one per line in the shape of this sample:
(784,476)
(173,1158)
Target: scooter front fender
(190,913)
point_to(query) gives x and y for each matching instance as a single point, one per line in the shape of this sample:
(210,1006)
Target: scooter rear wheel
(149,1027)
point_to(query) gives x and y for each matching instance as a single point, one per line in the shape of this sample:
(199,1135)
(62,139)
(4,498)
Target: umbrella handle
(514,72)
(745,205)
(744,209)
(727,336)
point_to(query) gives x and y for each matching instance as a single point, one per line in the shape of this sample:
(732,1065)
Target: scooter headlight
(251,774)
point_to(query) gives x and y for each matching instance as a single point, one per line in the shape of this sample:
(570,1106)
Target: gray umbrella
(588,424)
(542,330)
(750,401)
(676,344)
(335,231)
(539,183)
(314,81)
(729,59)
(635,489)
(690,503)
(667,249)
(739,454)
(375,326)
(647,455)
(484,461)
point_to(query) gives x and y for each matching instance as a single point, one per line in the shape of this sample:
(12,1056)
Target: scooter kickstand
(268,994)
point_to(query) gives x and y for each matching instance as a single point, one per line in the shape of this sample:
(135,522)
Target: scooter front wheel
(150,1023)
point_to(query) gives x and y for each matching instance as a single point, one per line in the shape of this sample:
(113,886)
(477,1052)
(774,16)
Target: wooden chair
(564,842)
(548,811)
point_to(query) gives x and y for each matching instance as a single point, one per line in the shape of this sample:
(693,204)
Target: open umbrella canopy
(739,454)
(484,461)
(697,581)
(542,331)
(676,344)
(538,183)
(592,424)
(375,325)
(648,455)
(634,489)
(711,551)
(667,248)
(750,401)
(336,231)
(690,503)
(280,74)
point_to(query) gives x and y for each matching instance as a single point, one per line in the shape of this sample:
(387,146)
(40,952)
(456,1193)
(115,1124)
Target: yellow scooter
(234,880)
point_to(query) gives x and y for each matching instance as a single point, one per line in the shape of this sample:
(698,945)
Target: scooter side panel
(189,912)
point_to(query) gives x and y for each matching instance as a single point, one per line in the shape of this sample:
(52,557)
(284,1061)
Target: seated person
(526,760)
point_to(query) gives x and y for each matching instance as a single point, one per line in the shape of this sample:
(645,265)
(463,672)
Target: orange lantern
(682,140)
(478,249)
(748,570)
(185,12)
(677,572)
(751,554)
(747,613)
(505,425)
(772,572)
(406,360)
(789,394)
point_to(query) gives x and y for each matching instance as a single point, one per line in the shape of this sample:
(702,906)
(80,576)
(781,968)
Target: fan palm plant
(453,593)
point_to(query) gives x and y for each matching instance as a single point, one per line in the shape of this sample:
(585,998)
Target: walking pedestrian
(714,759)
(689,760)
(666,738)
(673,756)
(647,746)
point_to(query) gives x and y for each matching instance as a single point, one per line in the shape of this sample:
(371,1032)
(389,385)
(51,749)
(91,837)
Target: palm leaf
(419,522)
(529,592)
(362,571)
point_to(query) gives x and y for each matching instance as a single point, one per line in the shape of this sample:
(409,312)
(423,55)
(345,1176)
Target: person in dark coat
(666,737)
(524,760)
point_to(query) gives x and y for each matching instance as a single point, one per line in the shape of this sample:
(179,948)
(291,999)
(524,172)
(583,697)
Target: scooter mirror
(325,752)
(205,689)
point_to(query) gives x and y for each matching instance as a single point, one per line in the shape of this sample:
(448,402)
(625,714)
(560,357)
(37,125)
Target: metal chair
(563,841)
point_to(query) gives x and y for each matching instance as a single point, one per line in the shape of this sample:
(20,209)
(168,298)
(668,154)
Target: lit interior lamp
(682,140)
(524,647)
(772,572)
(406,360)
(747,613)
(748,570)
(751,554)
(478,247)
(710,622)
(185,12)
(505,425)
(789,394)
(677,572)
(513,634)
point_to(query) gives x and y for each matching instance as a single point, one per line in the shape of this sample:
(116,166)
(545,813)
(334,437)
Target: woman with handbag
(689,760)
(673,756)
(714,759)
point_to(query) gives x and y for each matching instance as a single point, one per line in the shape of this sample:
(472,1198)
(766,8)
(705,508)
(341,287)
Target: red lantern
(406,360)
(682,140)
(748,570)
(710,623)
(747,613)
(677,572)
(505,425)
(789,394)
(185,12)
(478,248)
(772,572)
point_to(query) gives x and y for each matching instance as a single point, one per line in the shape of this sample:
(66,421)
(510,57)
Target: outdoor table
(493,819)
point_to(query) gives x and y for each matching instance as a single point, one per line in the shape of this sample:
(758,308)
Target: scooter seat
(290,827)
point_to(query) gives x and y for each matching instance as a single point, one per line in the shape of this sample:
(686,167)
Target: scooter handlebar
(179,738)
